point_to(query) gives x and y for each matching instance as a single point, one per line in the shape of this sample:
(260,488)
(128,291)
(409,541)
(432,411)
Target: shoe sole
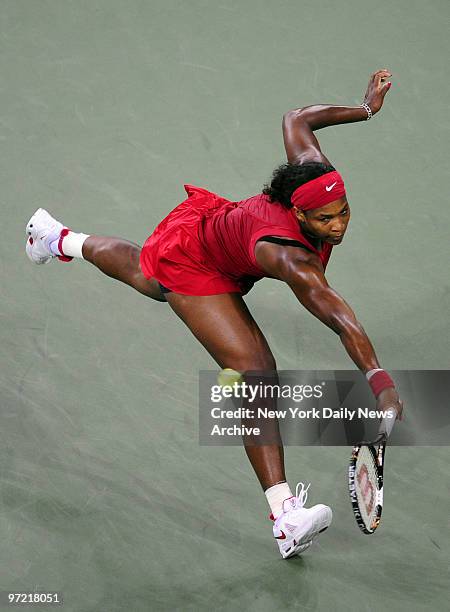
(41,217)
(308,538)
(296,551)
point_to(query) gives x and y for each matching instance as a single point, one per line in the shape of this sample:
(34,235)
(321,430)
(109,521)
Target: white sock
(72,245)
(276,495)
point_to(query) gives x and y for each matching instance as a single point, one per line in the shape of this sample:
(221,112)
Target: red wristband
(379,381)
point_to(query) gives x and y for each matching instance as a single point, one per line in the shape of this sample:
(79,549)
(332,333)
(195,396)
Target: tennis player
(207,254)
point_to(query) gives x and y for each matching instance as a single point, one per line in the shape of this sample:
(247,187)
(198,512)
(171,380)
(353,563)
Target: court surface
(108,107)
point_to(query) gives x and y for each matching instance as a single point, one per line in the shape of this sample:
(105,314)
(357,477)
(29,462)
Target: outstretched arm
(299,125)
(303,272)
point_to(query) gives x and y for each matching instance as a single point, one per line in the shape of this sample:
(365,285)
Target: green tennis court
(108,108)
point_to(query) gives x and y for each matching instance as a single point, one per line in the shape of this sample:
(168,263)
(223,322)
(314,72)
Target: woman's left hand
(377,89)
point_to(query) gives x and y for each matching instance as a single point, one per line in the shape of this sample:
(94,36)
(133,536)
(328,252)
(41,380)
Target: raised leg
(115,257)
(119,259)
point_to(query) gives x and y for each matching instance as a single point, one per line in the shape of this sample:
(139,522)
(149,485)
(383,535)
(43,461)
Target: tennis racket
(365,477)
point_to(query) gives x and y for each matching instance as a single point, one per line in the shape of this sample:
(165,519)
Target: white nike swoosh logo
(330,187)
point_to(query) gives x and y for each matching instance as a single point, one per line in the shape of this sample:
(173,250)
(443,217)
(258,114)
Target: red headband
(319,191)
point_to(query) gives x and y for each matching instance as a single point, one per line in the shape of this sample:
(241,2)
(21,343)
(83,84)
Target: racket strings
(366,484)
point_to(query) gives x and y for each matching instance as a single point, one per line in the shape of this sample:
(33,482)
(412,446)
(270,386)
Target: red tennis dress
(205,246)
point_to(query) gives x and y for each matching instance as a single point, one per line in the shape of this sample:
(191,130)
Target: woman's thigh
(227,330)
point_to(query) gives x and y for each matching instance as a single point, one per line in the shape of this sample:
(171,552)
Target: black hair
(287,177)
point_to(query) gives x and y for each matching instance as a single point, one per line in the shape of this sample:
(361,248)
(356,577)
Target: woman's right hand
(388,399)
(377,89)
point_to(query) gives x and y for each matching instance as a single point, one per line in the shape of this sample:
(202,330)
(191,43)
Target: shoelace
(300,497)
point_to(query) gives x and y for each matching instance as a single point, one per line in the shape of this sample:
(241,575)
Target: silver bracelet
(368,110)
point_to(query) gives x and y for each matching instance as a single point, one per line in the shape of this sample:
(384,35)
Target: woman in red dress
(207,253)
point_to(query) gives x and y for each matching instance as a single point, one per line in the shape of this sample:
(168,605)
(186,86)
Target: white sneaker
(42,229)
(295,529)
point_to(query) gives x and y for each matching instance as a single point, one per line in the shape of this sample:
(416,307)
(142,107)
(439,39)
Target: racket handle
(388,423)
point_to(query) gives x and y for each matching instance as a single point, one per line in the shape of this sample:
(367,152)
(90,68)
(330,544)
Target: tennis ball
(228,377)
